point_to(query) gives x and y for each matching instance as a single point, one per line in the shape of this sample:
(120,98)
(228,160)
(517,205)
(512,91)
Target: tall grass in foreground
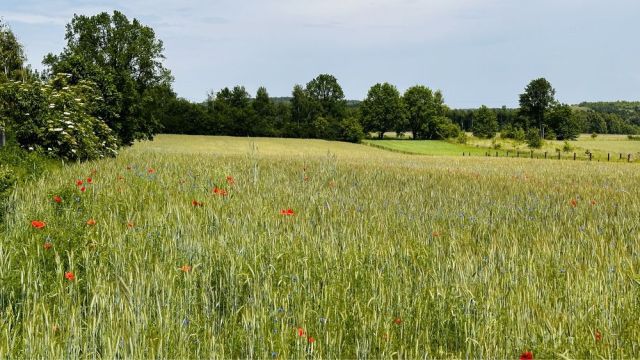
(415,257)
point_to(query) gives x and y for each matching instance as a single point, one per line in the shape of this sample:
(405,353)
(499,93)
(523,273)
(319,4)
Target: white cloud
(32,18)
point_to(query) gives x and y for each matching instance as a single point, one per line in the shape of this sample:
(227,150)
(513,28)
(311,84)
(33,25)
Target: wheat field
(212,247)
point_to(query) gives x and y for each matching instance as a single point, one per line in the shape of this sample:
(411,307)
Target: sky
(477,52)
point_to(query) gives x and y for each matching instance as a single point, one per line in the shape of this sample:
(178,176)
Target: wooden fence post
(590,156)
(574,156)
(608,156)
(3,139)
(629,158)
(532,154)
(558,155)
(545,154)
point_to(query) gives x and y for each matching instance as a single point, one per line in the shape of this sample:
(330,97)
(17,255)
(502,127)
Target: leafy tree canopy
(538,96)
(124,58)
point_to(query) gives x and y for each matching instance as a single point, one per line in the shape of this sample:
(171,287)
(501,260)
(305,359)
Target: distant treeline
(601,118)
(319,110)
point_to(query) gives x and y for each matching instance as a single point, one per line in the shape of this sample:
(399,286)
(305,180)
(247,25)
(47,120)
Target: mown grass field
(603,148)
(192,247)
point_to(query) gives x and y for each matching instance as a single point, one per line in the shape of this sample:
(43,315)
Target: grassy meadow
(202,247)
(600,147)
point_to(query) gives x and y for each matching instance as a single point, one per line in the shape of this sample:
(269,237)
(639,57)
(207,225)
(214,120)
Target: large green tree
(124,58)
(327,93)
(12,56)
(382,109)
(485,123)
(564,122)
(419,103)
(537,98)
(264,113)
(425,110)
(304,110)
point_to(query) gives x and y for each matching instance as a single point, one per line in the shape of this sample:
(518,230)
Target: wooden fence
(558,155)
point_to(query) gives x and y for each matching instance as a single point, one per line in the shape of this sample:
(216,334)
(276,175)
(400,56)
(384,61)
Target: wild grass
(385,256)
(602,148)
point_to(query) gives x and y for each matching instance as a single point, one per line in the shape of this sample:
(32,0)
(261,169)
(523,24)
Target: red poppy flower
(287,212)
(593,202)
(311,339)
(79,183)
(47,245)
(598,335)
(197,203)
(89,181)
(130,225)
(230,180)
(69,276)
(91,222)
(219,191)
(151,171)
(128,167)
(57,199)
(527,355)
(38,224)
(573,203)
(185,268)
(83,189)
(300,332)
(397,321)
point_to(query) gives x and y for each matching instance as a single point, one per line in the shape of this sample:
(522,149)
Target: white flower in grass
(30,148)
(73,151)
(51,106)
(66,113)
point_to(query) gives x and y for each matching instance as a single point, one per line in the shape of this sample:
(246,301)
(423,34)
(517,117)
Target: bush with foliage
(351,130)
(485,123)
(567,147)
(534,140)
(462,138)
(7,179)
(55,118)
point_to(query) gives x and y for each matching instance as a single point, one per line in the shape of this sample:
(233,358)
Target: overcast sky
(476,51)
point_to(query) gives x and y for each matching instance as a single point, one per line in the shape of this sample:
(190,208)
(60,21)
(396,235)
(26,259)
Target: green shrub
(351,130)
(534,140)
(567,147)
(519,135)
(7,179)
(594,135)
(55,118)
(463,138)
(550,135)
